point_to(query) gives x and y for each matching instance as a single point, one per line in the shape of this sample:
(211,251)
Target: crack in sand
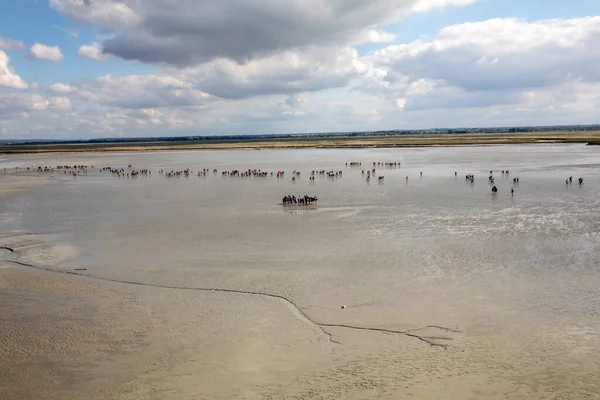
(441,328)
(427,339)
(293,306)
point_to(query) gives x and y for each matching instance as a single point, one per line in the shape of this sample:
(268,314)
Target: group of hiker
(258,173)
(254,173)
(299,200)
(570,181)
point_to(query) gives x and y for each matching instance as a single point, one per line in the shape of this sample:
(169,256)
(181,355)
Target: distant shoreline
(322,142)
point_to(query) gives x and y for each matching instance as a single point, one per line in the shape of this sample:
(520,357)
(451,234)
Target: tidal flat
(157,287)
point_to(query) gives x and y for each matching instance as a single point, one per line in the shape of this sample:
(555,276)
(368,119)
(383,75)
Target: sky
(79,69)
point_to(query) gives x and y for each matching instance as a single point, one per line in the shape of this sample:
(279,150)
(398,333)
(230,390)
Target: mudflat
(206,287)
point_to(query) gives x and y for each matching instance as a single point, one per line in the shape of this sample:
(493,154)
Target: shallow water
(430,250)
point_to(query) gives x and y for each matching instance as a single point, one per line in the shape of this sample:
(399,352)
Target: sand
(68,334)
(73,337)
(12,185)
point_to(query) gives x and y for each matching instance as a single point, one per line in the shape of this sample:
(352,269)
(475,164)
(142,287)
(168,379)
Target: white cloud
(59,103)
(185,33)
(420,87)
(93,52)
(135,91)
(501,53)
(284,73)
(15,104)
(400,103)
(9,44)
(479,64)
(98,13)
(8,77)
(379,36)
(427,5)
(43,52)
(143,118)
(61,88)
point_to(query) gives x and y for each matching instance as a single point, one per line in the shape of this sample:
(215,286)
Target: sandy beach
(111,290)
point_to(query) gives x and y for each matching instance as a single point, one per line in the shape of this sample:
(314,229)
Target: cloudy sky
(118,68)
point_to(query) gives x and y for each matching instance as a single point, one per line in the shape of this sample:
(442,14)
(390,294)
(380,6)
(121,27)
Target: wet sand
(12,185)
(74,337)
(147,322)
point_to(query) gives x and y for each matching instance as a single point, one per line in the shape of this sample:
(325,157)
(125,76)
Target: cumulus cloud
(8,77)
(15,104)
(61,88)
(288,72)
(196,31)
(144,118)
(501,53)
(468,62)
(93,52)
(135,91)
(43,52)
(98,13)
(10,44)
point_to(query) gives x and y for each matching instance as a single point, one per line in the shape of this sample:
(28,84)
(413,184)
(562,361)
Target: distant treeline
(300,136)
(518,129)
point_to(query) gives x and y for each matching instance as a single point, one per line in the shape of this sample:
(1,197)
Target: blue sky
(165,67)
(34,21)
